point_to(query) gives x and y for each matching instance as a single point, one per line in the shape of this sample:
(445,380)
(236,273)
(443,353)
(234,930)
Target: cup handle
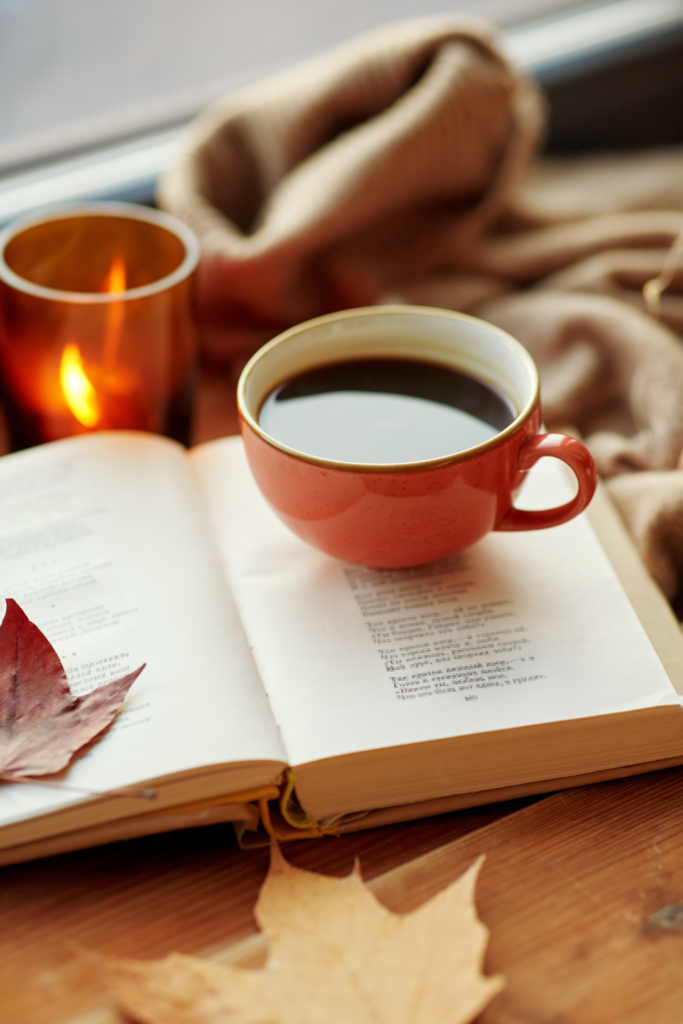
(579,460)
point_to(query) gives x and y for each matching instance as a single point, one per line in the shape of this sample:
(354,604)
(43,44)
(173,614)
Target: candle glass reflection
(96,328)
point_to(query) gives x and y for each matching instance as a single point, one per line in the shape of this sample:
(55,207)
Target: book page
(104,543)
(520,629)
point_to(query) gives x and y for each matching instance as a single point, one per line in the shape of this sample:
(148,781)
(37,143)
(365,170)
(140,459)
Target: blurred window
(75,73)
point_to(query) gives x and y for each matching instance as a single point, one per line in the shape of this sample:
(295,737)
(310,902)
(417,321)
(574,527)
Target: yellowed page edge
(463,801)
(475,765)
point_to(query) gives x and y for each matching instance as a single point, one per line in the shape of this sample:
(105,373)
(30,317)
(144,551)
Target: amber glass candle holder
(96,328)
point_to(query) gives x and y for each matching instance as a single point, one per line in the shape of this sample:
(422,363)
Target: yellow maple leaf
(336,956)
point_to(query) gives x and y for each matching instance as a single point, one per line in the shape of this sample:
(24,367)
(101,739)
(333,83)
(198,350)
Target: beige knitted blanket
(403,167)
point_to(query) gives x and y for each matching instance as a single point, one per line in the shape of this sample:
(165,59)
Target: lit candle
(79,393)
(95,324)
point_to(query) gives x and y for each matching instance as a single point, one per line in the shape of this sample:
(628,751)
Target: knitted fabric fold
(326,186)
(404,166)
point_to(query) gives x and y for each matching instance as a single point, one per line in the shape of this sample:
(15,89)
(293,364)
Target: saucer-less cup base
(393,516)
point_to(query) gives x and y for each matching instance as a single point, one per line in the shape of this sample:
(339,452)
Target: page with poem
(522,628)
(105,544)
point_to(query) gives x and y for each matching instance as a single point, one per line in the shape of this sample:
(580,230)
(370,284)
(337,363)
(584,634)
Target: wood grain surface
(191,891)
(582,891)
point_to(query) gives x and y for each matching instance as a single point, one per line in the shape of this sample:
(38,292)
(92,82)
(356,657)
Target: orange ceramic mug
(403,513)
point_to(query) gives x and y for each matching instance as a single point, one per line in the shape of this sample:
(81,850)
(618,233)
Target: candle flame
(79,393)
(115,281)
(114,284)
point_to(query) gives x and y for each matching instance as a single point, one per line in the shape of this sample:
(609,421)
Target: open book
(275,671)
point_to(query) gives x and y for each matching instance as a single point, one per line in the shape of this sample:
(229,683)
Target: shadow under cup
(404,514)
(96,329)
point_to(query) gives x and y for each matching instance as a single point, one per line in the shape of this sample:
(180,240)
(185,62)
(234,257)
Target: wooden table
(190,891)
(569,890)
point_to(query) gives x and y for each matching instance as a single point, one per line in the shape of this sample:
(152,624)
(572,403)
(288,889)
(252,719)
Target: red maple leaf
(42,724)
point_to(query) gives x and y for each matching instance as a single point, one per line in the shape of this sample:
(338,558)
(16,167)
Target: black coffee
(384,411)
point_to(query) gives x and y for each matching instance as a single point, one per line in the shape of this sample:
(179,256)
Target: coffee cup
(320,461)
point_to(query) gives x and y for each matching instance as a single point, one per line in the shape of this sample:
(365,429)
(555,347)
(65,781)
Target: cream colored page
(105,545)
(523,628)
